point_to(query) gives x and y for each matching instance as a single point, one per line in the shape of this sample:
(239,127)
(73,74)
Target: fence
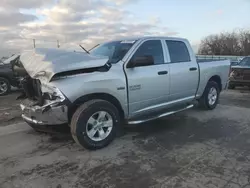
(58,44)
(218,57)
(20,44)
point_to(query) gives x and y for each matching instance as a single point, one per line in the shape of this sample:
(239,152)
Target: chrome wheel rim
(3,87)
(99,126)
(212,96)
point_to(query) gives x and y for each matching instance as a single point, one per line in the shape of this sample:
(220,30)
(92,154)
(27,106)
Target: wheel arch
(7,81)
(6,77)
(9,78)
(216,79)
(104,96)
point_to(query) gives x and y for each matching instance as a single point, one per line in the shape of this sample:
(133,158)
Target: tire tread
(203,100)
(76,116)
(8,85)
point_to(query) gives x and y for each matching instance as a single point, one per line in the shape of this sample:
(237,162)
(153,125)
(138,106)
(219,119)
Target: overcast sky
(92,21)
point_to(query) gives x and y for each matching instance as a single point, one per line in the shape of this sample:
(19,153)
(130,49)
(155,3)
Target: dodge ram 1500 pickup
(124,81)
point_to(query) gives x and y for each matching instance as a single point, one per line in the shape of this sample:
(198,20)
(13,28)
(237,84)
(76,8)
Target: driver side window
(151,48)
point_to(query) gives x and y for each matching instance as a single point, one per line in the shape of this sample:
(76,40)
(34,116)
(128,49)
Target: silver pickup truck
(116,83)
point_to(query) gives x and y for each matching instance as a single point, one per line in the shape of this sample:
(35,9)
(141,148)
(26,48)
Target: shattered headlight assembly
(232,74)
(52,93)
(58,94)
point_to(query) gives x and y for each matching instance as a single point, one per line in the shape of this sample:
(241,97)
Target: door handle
(193,69)
(162,72)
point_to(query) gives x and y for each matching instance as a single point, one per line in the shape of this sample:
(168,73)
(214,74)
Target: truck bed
(207,60)
(213,68)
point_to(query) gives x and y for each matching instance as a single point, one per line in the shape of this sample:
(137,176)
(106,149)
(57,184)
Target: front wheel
(94,124)
(210,97)
(4,86)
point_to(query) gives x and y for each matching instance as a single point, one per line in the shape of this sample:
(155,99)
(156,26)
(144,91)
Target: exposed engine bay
(42,104)
(44,66)
(32,89)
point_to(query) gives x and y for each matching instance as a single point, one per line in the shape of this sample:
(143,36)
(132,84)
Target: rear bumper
(49,114)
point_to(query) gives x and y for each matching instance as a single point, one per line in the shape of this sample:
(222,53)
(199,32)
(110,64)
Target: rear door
(148,86)
(184,72)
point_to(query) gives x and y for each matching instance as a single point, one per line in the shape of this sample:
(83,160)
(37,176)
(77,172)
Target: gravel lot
(9,109)
(190,149)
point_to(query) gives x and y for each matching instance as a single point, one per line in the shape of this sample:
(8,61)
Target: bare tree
(234,43)
(244,39)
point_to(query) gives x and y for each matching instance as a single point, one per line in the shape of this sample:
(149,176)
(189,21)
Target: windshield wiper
(84,49)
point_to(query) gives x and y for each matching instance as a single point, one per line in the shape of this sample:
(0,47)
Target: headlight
(232,74)
(52,93)
(47,88)
(59,94)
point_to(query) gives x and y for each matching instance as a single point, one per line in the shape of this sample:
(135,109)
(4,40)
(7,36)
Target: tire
(204,100)
(81,128)
(6,85)
(231,86)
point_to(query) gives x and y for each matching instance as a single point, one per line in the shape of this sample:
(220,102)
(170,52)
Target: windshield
(245,61)
(114,50)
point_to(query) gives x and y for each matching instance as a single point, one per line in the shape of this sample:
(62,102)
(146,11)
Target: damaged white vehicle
(118,82)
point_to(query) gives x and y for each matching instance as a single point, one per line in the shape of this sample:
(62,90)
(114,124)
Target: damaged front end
(43,105)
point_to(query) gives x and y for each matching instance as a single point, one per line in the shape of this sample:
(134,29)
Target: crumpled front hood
(48,62)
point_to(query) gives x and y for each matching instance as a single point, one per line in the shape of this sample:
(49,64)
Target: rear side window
(178,51)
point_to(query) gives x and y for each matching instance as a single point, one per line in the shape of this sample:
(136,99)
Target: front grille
(32,89)
(246,74)
(241,74)
(238,74)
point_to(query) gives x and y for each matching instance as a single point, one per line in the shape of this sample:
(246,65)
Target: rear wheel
(94,124)
(4,86)
(210,97)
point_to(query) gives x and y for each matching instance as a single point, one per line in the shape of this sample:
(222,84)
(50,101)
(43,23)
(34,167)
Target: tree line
(235,43)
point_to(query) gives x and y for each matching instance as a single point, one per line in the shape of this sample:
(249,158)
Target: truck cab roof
(149,37)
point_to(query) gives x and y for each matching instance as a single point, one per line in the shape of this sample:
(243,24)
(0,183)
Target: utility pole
(34,43)
(58,44)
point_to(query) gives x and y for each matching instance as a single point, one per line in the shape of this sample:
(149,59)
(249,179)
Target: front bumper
(49,114)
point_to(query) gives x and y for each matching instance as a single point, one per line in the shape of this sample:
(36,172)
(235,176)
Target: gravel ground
(9,109)
(191,149)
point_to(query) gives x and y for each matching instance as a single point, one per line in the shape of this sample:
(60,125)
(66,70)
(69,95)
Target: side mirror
(141,61)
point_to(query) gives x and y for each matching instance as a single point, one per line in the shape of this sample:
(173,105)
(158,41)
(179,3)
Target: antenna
(84,49)
(94,47)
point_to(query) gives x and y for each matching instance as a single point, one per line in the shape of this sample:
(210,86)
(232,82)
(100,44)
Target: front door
(148,86)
